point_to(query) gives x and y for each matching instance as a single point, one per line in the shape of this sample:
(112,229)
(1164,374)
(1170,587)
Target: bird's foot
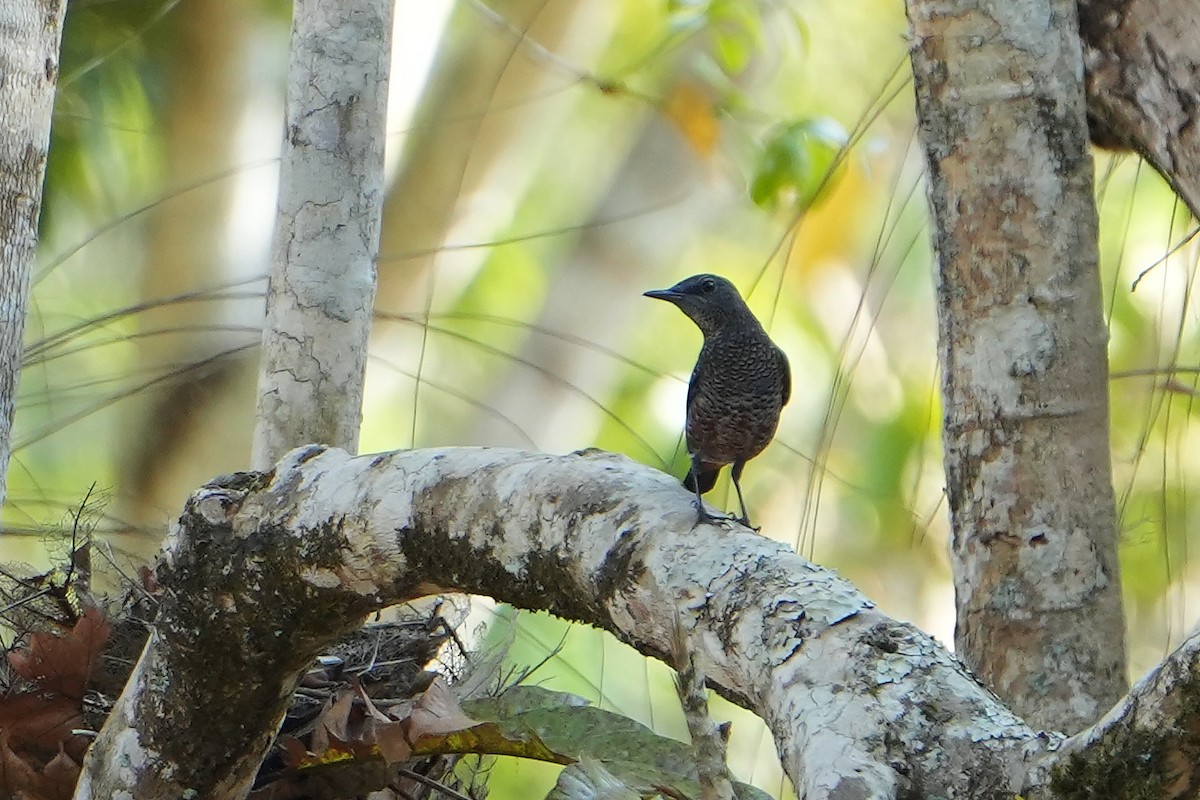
(703,515)
(745,520)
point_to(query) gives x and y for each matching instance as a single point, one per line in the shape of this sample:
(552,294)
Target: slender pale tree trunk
(331,188)
(30,32)
(1023,349)
(319,310)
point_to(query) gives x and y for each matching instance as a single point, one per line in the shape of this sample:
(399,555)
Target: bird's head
(710,300)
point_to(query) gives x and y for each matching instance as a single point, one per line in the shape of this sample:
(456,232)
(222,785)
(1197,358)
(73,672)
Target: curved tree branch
(1149,742)
(1142,58)
(264,569)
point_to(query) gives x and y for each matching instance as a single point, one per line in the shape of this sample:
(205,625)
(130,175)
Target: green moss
(543,583)
(1128,766)
(1136,764)
(236,599)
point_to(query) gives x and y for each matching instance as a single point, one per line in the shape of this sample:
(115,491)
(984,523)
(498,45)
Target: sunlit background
(548,161)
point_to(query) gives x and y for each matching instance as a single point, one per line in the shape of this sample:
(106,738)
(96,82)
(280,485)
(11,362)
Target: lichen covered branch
(264,569)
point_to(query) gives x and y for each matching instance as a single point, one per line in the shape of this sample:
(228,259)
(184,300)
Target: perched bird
(739,385)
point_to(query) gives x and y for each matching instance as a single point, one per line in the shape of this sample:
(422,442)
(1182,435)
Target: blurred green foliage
(797,160)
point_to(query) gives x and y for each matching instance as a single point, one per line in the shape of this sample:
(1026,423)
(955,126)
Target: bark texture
(1143,59)
(30,32)
(263,569)
(331,180)
(1023,350)
(1148,745)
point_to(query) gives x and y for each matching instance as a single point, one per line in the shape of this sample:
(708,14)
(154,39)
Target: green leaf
(589,780)
(638,756)
(737,33)
(796,162)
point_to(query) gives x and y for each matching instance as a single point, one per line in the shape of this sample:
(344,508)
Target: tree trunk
(330,191)
(30,32)
(264,569)
(1024,364)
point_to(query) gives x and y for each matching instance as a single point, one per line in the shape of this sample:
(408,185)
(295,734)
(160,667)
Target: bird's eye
(708,285)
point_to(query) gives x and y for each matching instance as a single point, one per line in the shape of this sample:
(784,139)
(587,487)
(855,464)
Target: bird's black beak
(670,295)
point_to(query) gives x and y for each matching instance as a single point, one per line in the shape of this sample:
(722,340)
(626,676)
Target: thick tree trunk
(264,569)
(30,32)
(331,188)
(1024,364)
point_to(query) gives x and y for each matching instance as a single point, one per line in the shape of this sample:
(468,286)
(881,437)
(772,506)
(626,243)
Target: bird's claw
(703,515)
(745,520)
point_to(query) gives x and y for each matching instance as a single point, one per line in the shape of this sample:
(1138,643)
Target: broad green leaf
(737,33)
(636,755)
(589,780)
(795,163)
(438,725)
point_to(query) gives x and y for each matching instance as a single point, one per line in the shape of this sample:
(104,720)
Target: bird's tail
(706,481)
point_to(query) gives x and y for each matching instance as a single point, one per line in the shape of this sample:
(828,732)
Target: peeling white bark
(331,180)
(1023,353)
(263,570)
(30,32)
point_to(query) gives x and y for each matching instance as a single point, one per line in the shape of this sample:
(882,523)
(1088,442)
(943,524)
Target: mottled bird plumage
(738,388)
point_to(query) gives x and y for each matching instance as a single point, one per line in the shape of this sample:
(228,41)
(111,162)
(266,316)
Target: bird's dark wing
(787,375)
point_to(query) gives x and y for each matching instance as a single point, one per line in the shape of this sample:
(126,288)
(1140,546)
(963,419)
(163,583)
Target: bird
(739,386)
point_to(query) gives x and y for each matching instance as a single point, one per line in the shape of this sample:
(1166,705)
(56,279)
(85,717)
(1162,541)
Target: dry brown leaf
(63,663)
(373,711)
(294,752)
(39,717)
(22,776)
(437,712)
(16,773)
(387,733)
(336,719)
(318,740)
(392,741)
(60,776)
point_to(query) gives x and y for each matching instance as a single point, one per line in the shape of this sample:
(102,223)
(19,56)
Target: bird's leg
(737,474)
(702,514)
